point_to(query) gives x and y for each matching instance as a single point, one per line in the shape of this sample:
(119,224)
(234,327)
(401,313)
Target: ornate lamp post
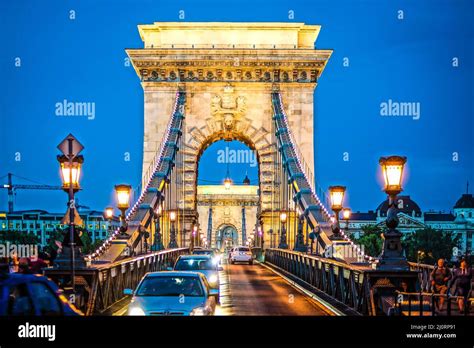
(193,236)
(337,196)
(123,203)
(70,176)
(173,244)
(300,245)
(158,242)
(346,214)
(260,236)
(109,215)
(283,244)
(392,257)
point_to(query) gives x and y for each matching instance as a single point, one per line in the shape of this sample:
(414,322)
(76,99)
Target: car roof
(16,278)
(174,274)
(194,257)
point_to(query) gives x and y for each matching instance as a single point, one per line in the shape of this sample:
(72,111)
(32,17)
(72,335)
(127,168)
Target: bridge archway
(227,235)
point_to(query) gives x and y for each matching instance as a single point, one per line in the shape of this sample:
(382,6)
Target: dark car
(32,295)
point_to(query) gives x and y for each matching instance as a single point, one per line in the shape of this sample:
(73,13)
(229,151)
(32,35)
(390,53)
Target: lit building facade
(43,224)
(458,222)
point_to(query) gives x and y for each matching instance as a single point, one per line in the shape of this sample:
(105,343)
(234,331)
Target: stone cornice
(287,66)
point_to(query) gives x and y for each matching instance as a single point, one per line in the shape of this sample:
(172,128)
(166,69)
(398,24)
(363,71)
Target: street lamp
(123,203)
(392,257)
(173,244)
(193,236)
(108,215)
(227,183)
(299,243)
(158,242)
(70,172)
(337,196)
(260,236)
(70,175)
(227,180)
(346,214)
(283,244)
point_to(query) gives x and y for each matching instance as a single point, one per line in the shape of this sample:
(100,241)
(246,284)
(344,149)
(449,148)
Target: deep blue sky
(405,60)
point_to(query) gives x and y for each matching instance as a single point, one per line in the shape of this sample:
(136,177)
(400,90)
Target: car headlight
(213,279)
(136,311)
(199,311)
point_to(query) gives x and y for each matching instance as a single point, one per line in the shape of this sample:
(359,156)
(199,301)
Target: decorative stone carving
(227,108)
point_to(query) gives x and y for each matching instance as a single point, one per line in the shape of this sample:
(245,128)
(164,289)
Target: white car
(241,254)
(172,293)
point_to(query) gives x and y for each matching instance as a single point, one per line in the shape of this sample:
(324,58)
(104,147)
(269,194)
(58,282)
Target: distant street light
(193,236)
(392,257)
(227,183)
(108,215)
(283,244)
(227,180)
(172,244)
(123,203)
(337,197)
(260,236)
(346,214)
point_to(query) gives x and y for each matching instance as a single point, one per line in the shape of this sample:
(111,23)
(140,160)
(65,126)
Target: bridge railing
(134,217)
(342,282)
(424,274)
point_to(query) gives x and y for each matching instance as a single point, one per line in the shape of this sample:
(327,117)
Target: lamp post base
(64,259)
(299,245)
(392,257)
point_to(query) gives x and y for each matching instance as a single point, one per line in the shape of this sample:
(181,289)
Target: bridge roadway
(256,290)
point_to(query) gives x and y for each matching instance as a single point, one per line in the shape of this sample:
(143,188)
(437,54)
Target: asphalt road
(256,290)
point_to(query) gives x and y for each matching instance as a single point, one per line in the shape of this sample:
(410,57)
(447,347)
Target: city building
(42,223)
(458,222)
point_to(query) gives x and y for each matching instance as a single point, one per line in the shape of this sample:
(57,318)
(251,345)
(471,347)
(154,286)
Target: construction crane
(12,188)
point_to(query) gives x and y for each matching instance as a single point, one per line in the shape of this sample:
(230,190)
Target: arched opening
(226,237)
(228,193)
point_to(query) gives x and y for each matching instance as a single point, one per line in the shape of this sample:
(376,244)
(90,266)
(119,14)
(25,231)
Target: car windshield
(194,265)
(170,286)
(243,249)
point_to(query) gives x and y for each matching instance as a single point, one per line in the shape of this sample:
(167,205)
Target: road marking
(325,306)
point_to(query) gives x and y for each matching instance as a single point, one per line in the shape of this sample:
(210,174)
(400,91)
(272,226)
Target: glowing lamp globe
(172,216)
(70,172)
(392,170)
(227,183)
(346,213)
(336,194)
(109,213)
(123,196)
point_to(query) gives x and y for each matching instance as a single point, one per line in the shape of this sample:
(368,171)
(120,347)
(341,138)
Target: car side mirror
(127,291)
(213,292)
(169,268)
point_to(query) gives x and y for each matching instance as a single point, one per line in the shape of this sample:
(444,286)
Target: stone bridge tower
(228,71)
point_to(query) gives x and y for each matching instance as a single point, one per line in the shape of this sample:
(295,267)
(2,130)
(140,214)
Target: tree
(88,245)
(371,240)
(428,245)
(18,237)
